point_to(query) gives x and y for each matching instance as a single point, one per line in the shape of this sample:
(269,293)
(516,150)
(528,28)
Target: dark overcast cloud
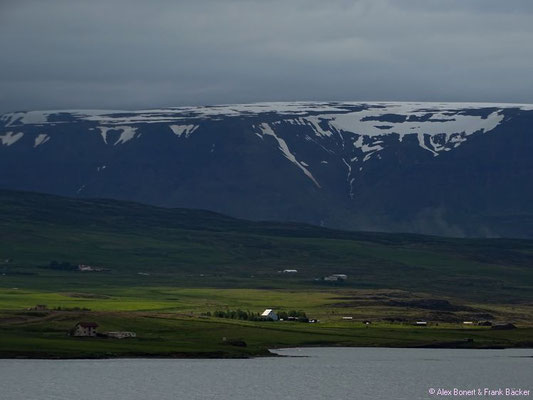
(136,54)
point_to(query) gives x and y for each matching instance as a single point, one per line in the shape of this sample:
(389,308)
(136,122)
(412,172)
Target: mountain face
(435,168)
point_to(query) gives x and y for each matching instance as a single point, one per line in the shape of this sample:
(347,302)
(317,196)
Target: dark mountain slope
(432,168)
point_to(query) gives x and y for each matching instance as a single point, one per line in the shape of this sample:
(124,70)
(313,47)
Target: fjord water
(313,373)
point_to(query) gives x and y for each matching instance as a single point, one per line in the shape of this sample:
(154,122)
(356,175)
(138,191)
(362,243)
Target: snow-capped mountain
(442,168)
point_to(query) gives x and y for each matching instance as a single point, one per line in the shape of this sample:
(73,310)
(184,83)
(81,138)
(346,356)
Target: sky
(131,54)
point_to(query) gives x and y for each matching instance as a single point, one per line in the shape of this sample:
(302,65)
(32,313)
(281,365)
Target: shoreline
(221,356)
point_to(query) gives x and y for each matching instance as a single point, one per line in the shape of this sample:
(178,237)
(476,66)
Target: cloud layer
(138,54)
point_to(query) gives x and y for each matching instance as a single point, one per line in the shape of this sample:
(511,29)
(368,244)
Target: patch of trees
(72,309)
(237,314)
(293,315)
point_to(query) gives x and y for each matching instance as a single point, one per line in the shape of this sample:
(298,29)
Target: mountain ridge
(452,169)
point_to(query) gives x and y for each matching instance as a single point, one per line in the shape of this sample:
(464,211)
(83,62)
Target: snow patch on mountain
(342,115)
(186,130)
(424,120)
(422,143)
(315,122)
(370,122)
(131,117)
(282,145)
(128,133)
(365,148)
(349,179)
(406,119)
(10,137)
(40,139)
(25,118)
(103,132)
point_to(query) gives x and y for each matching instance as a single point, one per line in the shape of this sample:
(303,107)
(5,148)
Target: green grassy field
(168,335)
(167,268)
(172,322)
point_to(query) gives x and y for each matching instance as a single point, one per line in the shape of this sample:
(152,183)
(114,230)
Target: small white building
(85,329)
(421,323)
(270,314)
(341,276)
(290,271)
(336,278)
(121,334)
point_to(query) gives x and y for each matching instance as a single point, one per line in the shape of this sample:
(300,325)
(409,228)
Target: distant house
(290,271)
(90,268)
(504,327)
(269,314)
(336,278)
(120,335)
(39,307)
(421,323)
(85,329)
(347,318)
(341,276)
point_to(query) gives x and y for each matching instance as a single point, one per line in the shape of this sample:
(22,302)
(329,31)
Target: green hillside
(165,272)
(193,247)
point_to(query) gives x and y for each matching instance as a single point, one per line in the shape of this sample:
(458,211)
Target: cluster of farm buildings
(89,329)
(328,278)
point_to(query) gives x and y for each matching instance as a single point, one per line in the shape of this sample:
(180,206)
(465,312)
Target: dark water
(325,373)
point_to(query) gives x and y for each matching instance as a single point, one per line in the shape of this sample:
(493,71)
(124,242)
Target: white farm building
(270,314)
(121,335)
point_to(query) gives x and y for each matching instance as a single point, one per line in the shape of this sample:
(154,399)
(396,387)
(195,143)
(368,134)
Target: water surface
(319,373)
